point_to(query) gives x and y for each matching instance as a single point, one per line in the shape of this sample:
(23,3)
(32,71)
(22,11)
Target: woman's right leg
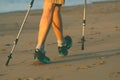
(45,23)
(44,27)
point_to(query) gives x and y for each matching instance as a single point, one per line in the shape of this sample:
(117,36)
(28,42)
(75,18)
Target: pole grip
(31,4)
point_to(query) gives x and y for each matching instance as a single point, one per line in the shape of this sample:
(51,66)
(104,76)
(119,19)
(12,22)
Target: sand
(99,60)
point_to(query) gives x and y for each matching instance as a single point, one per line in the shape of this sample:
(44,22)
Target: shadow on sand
(89,55)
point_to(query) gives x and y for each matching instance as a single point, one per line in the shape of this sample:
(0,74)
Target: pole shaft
(18,35)
(84,24)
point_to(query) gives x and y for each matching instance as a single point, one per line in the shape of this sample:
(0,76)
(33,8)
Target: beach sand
(99,60)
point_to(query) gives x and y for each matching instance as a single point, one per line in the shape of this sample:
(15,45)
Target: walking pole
(18,35)
(83,28)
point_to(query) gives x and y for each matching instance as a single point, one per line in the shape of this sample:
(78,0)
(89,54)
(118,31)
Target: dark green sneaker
(39,56)
(63,51)
(68,41)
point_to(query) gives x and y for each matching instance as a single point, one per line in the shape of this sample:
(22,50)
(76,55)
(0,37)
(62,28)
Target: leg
(44,27)
(63,44)
(57,24)
(45,23)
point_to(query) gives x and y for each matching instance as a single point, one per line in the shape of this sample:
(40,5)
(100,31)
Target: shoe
(68,42)
(39,56)
(63,50)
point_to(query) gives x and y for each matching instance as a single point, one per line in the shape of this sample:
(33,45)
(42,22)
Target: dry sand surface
(99,60)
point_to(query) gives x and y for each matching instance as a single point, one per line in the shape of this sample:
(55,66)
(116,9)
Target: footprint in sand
(8,44)
(84,67)
(40,78)
(24,79)
(95,33)
(115,74)
(117,28)
(2,35)
(91,38)
(92,28)
(101,62)
(108,36)
(3,49)
(30,78)
(14,79)
(37,63)
(2,74)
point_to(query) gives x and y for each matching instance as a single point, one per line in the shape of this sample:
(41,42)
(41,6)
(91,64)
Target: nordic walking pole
(83,28)
(18,35)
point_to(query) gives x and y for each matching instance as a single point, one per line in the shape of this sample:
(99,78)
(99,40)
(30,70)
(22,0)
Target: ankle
(39,50)
(61,43)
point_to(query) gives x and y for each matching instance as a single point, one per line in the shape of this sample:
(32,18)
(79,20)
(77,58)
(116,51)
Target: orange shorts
(57,1)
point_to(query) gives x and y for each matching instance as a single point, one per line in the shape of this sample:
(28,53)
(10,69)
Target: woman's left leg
(57,24)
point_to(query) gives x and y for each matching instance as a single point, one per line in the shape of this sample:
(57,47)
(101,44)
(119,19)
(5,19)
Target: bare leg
(57,25)
(45,23)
